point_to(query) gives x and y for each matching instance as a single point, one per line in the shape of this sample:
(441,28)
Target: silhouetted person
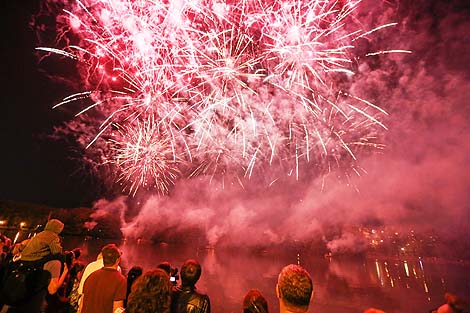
(254,302)
(453,304)
(105,289)
(134,273)
(170,270)
(40,264)
(77,252)
(185,298)
(294,289)
(45,243)
(75,276)
(151,293)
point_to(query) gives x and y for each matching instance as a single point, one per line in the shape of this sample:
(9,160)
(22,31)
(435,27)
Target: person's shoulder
(200,296)
(53,267)
(96,273)
(111,272)
(93,266)
(122,277)
(52,263)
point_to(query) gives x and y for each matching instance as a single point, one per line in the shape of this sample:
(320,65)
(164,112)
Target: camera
(174,275)
(171,271)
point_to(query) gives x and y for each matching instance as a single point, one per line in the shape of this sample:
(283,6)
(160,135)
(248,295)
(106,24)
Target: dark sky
(428,103)
(33,168)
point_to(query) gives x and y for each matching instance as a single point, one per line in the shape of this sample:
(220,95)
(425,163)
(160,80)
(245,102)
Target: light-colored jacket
(45,243)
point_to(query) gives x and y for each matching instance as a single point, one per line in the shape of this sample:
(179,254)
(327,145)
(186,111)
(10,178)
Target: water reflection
(341,284)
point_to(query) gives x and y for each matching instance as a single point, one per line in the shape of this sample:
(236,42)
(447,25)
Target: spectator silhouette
(40,260)
(75,276)
(104,290)
(185,298)
(151,293)
(45,243)
(254,302)
(134,273)
(294,289)
(454,304)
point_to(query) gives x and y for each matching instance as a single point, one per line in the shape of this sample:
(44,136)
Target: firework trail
(226,89)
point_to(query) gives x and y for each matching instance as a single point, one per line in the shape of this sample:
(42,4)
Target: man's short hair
(190,272)
(295,286)
(110,254)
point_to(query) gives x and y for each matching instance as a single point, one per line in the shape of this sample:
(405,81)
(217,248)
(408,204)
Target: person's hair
(254,302)
(134,273)
(150,293)
(166,266)
(69,258)
(74,272)
(77,267)
(110,254)
(190,272)
(295,286)
(456,303)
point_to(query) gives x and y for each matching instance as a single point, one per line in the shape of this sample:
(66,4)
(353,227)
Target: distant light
(23,224)
(3,222)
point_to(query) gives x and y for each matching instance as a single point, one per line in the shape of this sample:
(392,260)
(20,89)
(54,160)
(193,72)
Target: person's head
(69,258)
(170,270)
(254,302)
(190,273)
(54,225)
(454,304)
(166,266)
(134,273)
(111,255)
(150,293)
(294,288)
(77,270)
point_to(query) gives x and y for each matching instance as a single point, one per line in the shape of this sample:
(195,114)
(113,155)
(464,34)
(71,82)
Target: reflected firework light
(232,89)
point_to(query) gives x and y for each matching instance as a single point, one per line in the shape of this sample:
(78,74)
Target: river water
(341,284)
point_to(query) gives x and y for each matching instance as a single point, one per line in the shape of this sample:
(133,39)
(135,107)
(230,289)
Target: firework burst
(235,88)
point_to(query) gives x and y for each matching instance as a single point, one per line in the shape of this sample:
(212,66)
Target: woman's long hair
(150,293)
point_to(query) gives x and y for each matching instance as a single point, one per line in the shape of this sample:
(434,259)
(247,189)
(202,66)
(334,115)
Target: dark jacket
(188,300)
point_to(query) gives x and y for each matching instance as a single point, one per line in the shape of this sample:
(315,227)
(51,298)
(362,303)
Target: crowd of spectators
(62,283)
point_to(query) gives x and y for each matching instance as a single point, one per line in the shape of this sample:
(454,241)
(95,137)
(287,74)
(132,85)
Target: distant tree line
(34,216)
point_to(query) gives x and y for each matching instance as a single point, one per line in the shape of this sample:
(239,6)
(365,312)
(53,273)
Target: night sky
(428,106)
(34,168)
